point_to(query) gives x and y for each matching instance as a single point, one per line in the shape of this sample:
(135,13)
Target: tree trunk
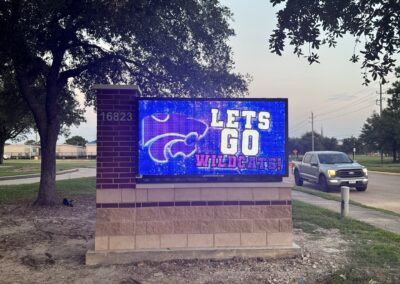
(47,190)
(2,143)
(48,124)
(394,151)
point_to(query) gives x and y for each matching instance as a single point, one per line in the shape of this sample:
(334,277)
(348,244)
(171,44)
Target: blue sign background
(173,132)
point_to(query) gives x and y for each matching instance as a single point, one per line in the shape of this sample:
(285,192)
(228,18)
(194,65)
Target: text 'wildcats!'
(192,137)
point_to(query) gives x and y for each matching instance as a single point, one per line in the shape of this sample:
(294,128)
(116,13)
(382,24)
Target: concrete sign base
(169,221)
(129,256)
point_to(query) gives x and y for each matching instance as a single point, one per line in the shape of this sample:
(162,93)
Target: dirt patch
(48,245)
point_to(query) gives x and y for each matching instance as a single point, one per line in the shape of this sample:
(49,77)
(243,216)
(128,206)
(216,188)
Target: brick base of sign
(255,217)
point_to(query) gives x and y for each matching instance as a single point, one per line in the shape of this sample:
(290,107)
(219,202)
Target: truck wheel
(362,188)
(297,178)
(323,185)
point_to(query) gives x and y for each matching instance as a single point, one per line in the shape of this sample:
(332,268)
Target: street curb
(37,175)
(385,173)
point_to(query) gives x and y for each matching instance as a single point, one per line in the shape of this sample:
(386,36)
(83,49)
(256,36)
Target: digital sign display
(207,137)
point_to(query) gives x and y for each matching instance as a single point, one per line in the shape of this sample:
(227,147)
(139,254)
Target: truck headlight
(365,172)
(331,173)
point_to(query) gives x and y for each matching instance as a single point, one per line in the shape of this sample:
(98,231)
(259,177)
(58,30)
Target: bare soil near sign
(48,245)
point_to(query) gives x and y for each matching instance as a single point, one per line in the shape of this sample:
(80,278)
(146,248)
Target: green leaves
(15,118)
(382,132)
(313,23)
(354,58)
(165,47)
(76,140)
(168,48)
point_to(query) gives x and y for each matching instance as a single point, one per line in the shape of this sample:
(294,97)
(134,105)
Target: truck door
(314,167)
(305,166)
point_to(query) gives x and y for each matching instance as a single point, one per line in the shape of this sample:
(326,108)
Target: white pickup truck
(330,170)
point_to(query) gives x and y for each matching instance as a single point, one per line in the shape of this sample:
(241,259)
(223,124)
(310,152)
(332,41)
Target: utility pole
(312,131)
(380,112)
(380,99)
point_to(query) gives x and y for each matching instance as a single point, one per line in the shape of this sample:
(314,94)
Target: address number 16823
(116,116)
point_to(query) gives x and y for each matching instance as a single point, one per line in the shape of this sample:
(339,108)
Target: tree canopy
(352,142)
(15,117)
(169,48)
(76,140)
(303,144)
(31,142)
(382,132)
(307,25)
(175,48)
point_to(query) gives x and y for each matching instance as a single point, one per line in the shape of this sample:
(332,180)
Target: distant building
(22,151)
(70,151)
(91,150)
(63,151)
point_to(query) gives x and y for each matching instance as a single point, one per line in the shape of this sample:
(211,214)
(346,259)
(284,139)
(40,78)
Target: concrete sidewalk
(25,176)
(373,217)
(82,172)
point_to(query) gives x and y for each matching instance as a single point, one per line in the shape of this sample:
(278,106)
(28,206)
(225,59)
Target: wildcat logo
(169,136)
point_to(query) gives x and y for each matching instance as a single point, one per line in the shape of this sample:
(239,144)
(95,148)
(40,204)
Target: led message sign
(199,137)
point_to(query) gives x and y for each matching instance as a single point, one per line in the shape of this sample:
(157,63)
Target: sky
(332,90)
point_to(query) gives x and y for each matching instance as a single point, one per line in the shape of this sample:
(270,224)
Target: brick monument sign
(190,178)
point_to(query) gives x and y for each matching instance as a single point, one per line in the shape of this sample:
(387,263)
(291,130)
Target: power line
(299,124)
(371,86)
(350,104)
(300,129)
(344,114)
(359,101)
(340,115)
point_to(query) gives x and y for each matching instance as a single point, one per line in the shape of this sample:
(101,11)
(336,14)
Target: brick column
(116,142)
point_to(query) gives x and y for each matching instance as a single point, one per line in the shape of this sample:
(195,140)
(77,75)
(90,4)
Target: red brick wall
(116,138)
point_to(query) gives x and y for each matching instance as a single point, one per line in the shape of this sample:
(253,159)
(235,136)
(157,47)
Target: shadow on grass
(28,192)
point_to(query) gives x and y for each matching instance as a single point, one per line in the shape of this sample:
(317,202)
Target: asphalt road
(383,192)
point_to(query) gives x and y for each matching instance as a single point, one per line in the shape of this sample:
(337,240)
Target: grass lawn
(374,253)
(22,167)
(374,163)
(28,192)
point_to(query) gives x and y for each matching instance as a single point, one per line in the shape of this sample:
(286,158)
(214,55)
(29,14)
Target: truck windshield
(335,158)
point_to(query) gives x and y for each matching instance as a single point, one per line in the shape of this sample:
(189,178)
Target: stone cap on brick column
(116,87)
(283,184)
